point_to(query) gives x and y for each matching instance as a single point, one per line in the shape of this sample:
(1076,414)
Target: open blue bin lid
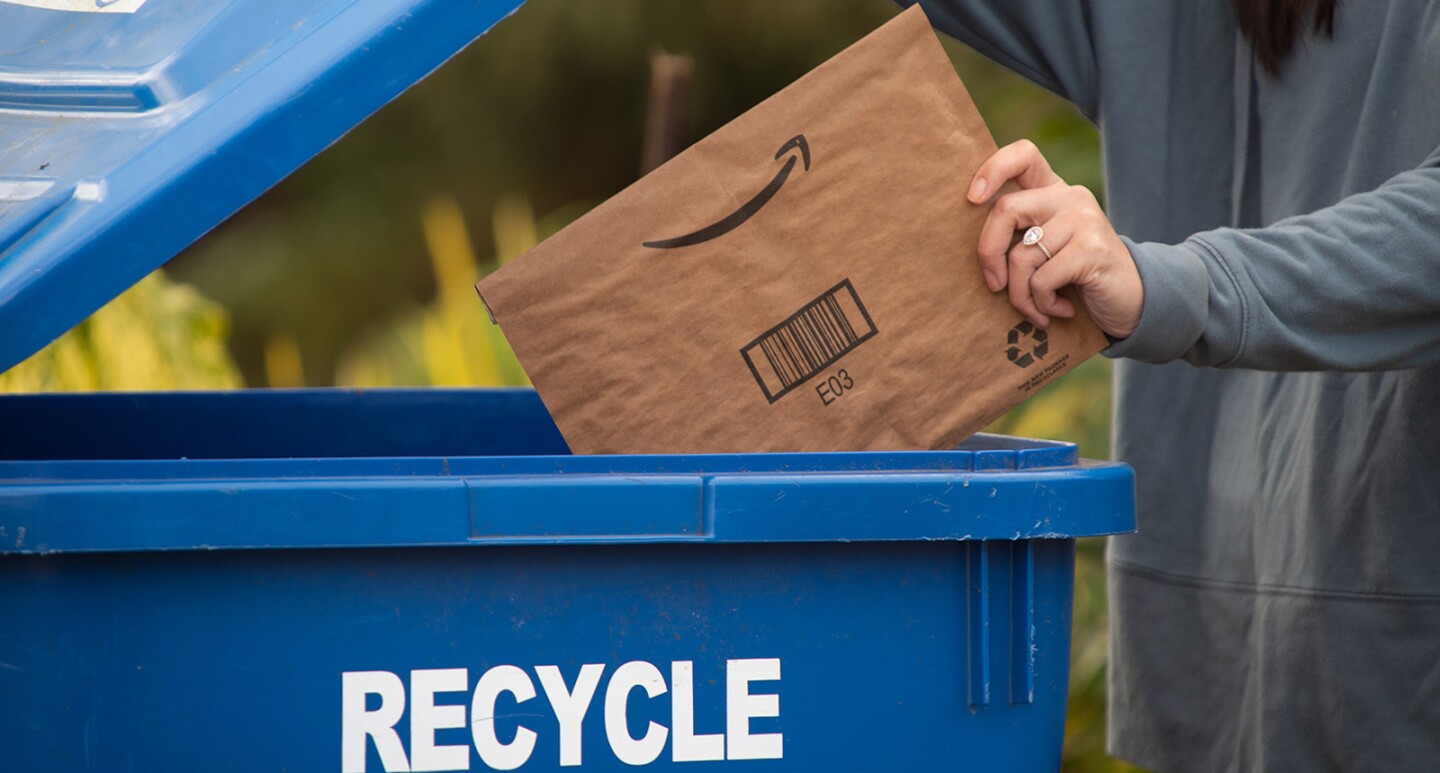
(129,128)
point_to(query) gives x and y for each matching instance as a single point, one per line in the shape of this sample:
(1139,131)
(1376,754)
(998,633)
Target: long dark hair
(1273,26)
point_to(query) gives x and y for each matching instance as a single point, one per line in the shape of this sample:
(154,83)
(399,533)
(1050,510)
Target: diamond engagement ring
(1033,237)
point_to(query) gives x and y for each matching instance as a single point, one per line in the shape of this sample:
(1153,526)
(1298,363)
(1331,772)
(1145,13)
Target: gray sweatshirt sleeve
(1047,41)
(1354,286)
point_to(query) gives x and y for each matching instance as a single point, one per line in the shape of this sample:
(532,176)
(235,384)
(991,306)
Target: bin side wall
(234,661)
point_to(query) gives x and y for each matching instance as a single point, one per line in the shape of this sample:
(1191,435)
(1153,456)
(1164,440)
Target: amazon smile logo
(735,219)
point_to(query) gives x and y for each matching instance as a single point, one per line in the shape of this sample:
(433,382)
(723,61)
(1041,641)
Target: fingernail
(991,281)
(977,190)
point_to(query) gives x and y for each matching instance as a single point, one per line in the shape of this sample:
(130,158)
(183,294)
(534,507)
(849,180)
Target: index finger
(1020,161)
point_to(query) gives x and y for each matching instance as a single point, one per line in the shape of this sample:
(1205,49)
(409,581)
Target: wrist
(1173,292)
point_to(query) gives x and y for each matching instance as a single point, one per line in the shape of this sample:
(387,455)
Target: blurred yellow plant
(284,367)
(158,335)
(451,342)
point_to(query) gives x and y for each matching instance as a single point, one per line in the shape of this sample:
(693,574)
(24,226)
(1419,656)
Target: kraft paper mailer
(803,279)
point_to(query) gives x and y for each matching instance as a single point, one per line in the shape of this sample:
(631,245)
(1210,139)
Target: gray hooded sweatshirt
(1279,608)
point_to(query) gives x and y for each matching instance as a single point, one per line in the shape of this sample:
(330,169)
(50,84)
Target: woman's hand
(1087,252)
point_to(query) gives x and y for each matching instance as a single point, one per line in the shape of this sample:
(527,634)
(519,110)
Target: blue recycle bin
(427,580)
(342,580)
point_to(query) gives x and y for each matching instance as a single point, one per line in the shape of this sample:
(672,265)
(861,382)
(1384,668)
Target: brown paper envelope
(803,279)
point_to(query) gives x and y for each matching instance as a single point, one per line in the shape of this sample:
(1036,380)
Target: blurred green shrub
(451,341)
(158,335)
(1076,408)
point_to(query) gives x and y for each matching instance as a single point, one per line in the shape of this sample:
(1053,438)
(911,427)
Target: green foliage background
(357,270)
(157,335)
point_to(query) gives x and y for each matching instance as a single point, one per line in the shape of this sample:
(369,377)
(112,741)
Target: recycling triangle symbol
(1027,344)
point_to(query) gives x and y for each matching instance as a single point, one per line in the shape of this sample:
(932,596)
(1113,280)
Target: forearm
(1355,286)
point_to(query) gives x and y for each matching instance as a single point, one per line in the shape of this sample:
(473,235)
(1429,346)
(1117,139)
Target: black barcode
(808,341)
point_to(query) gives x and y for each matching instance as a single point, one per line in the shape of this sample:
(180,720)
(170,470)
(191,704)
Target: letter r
(356,723)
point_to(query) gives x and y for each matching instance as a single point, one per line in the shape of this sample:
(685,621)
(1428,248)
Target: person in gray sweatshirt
(1268,267)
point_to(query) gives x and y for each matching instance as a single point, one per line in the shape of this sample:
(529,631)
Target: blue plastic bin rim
(499,476)
(130,134)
